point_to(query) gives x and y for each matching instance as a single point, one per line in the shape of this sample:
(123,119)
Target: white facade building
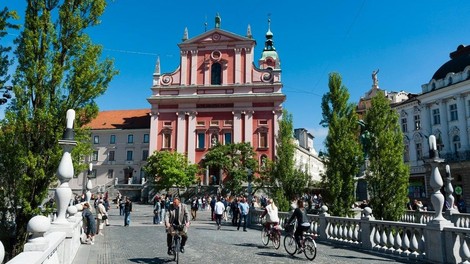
(443,110)
(305,156)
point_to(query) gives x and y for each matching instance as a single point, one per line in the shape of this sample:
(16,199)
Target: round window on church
(216,55)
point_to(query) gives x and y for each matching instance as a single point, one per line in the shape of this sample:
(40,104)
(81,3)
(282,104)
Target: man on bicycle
(177,215)
(271,213)
(303,224)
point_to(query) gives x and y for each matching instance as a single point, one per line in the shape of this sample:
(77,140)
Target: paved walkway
(143,242)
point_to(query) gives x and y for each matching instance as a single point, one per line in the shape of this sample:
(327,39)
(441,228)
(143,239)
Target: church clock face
(215,37)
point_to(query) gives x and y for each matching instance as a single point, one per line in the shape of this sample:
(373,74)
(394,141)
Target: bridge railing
(50,242)
(417,239)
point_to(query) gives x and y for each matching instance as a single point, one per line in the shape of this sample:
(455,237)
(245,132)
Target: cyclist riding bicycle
(177,215)
(303,224)
(271,213)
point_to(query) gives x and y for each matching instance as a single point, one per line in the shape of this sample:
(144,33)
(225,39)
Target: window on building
(110,174)
(112,139)
(214,139)
(456,142)
(227,138)
(439,143)
(453,112)
(92,174)
(95,155)
(145,154)
(200,123)
(404,125)
(146,138)
(263,139)
(216,74)
(201,140)
(436,117)
(419,151)
(96,140)
(111,155)
(166,140)
(228,122)
(406,153)
(130,138)
(417,120)
(130,153)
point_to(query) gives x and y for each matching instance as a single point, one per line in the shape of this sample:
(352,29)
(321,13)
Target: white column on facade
(237,127)
(425,118)
(249,126)
(184,67)
(193,67)
(412,150)
(238,73)
(192,137)
(153,132)
(207,67)
(445,126)
(181,132)
(224,72)
(462,122)
(248,62)
(277,115)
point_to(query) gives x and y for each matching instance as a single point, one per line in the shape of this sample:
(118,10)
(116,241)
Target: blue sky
(407,40)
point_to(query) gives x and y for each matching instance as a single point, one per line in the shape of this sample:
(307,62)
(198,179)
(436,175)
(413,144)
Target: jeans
(244,221)
(156,218)
(127,218)
(218,219)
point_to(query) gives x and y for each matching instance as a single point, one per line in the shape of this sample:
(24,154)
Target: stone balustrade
(414,239)
(50,243)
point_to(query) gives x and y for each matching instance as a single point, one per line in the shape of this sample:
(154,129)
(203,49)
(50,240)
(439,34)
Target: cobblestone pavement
(144,242)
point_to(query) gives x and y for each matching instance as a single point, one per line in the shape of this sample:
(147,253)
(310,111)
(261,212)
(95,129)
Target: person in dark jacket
(303,224)
(90,224)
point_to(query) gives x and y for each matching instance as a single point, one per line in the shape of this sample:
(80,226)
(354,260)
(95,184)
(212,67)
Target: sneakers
(182,249)
(300,251)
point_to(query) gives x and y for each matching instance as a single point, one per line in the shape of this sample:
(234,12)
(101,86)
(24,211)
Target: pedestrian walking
(235,211)
(194,208)
(89,223)
(101,216)
(127,211)
(244,210)
(157,210)
(219,209)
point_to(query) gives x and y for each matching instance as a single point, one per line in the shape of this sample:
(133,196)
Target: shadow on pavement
(151,260)
(275,254)
(249,245)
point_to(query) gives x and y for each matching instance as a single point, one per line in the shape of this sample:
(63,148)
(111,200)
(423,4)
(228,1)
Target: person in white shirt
(272,215)
(219,209)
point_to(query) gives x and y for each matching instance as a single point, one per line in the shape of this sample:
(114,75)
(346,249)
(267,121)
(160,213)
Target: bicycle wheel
(176,248)
(276,239)
(264,236)
(310,250)
(289,244)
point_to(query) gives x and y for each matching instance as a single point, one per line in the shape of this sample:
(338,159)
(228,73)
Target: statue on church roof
(218,21)
(375,80)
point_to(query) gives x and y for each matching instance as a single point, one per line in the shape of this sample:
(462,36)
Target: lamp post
(88,183)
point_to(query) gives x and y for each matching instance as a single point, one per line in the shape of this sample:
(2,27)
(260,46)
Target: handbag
(104,217)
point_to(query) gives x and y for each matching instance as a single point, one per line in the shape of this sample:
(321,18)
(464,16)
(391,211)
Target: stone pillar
(462,122)
(435,247)
(238,72)
(184,67)
(153,132)
(192,137)
(248,64)
(181,132)
(63,194)
(249,126)
(323,225)
(89,186)
(366,234)
(237,127)
(194,67)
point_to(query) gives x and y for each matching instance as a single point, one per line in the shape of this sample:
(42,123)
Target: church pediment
(215,36)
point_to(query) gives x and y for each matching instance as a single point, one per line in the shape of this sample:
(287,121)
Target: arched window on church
(216,74)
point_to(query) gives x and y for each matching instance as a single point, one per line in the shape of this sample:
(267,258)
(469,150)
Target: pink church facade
(217,94)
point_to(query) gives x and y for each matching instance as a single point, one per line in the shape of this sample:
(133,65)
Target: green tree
(237,162)
(287,182)
(387,175)
(5,60)
(343,156)
(57,68)
(170,169)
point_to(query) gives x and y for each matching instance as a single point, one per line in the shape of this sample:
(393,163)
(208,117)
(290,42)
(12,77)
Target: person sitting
(177,215)
(271,213)
(303,224)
